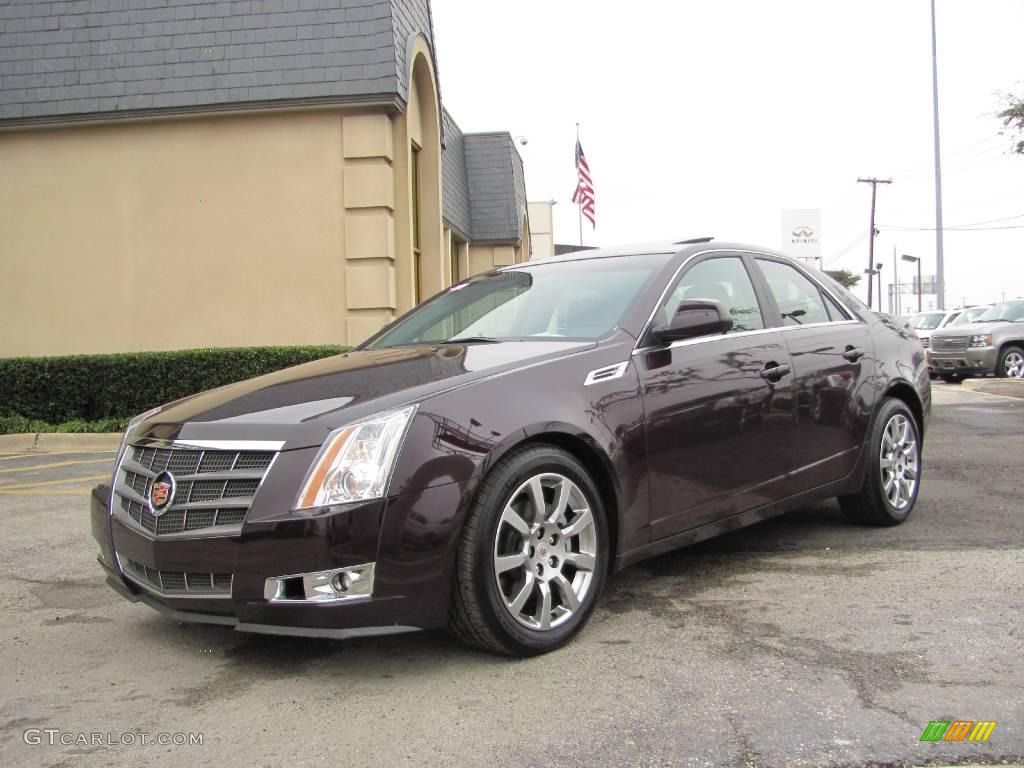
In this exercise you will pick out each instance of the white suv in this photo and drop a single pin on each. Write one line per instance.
(924, 323)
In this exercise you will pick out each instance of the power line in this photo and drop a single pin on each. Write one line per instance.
(849, 247)
(958, 227)
(915, 170)
(946, 229)
(958, 164)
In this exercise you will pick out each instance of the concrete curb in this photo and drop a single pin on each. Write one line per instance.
(1003, 387)
(51, 442)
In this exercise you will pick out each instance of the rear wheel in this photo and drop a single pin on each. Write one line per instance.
(893, 475)
(1011, 363)
(533, 557)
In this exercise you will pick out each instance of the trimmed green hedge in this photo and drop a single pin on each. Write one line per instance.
(82, 392)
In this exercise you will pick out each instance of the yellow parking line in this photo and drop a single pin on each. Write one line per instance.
(50, 466)
(44, 493)
(45, 454)
(20, 486)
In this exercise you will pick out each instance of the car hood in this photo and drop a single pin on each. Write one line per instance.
(969, 329)
(300, 406)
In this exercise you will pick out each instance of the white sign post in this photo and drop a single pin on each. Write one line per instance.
(801, 235)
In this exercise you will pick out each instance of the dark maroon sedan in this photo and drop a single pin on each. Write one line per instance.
(484, 462)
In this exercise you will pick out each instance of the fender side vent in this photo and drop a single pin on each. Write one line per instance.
(607, 373)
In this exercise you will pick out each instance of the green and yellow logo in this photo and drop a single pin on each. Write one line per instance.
(958, 730)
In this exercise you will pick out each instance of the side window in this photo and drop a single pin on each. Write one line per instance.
(800, 302)
(723, 279)
(835, 312)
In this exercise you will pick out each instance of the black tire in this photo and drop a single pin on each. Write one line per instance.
(1001, 367)
(479, 614)
(872, 505)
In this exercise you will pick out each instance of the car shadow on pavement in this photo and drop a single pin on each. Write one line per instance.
(268, 657)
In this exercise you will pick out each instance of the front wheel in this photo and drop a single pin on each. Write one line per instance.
(533, 556)
(893, 475)
(1011, 363)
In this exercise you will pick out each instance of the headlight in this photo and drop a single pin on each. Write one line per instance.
(356, 461)
(981, 340)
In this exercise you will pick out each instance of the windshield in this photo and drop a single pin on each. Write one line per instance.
(1009, 312)
(583, 299)
(969, 315)
(927, 321)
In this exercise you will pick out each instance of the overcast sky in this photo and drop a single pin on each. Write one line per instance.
(709, 117)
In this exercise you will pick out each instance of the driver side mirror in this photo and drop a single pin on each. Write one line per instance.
(693, 318)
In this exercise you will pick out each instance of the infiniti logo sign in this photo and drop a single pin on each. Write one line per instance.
(803, 232)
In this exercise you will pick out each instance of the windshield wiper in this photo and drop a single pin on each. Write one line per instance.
(471, 340)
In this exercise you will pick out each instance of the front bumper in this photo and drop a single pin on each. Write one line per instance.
(977, 360)
(407, 538)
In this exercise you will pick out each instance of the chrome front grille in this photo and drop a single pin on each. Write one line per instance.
(177, 582)
(213, 487)
(950, 343)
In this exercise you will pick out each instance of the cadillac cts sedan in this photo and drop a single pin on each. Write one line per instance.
(485, 462)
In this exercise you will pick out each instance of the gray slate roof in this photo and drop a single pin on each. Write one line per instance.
(455, 184)
(494, 172)
(102, 58)
(484, 186)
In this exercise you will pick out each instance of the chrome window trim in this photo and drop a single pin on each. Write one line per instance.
(830, 324)
(216, 445)
(705, 340)
(854, 317)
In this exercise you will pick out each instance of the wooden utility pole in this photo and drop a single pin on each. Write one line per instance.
(871, 235)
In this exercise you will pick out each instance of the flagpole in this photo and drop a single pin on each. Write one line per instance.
(579, 203)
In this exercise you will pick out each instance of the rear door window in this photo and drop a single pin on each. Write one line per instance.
(800, 300)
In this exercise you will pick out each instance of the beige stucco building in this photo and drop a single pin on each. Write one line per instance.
(208, 175)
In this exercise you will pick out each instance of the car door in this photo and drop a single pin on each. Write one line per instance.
(719, 410)
(833, 368)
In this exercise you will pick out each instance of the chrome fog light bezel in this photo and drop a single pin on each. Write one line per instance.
(354, 582)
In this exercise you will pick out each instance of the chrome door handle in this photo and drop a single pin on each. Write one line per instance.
(853, 354)
(775, 372)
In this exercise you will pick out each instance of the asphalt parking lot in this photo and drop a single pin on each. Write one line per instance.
(800, 641)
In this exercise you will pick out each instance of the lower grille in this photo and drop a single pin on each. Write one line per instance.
(177, 582)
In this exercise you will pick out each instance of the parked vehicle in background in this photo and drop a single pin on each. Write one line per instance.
(968, 315)
(924, 323)
(993, 343)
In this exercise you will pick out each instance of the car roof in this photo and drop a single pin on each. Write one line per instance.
(666, 247)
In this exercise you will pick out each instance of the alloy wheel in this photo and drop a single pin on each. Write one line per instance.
(545, 551)
(899, 461)
(1013, 365)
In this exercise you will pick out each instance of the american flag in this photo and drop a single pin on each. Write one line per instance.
(584, 194)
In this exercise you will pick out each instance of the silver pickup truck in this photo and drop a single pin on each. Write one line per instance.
(993, 343)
